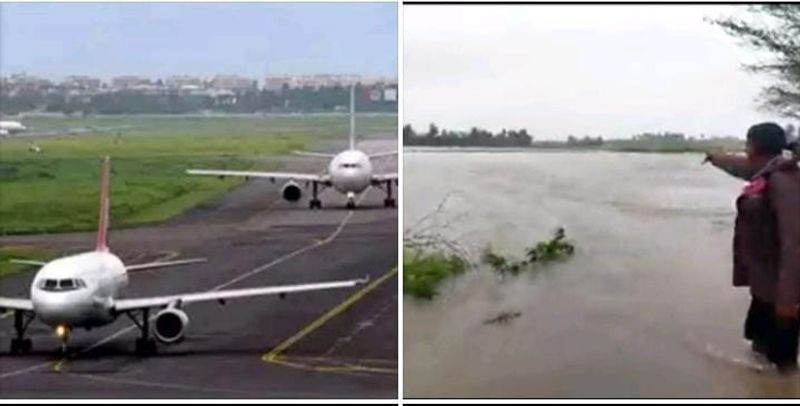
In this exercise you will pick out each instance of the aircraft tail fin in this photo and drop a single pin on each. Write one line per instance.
(352, 117)
(105, 203)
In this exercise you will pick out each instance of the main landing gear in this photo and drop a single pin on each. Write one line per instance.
(315, 203)
(20, 344)
(389, 201)
(145, 345)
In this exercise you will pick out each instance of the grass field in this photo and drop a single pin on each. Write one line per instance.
(56, 190)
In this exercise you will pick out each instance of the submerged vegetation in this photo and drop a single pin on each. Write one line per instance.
(503, 318)
(555, 249)
(424, 272)
(430, 257)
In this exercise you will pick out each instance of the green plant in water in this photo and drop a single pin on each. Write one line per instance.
(423, 272)
(554, 249)
(503, 318)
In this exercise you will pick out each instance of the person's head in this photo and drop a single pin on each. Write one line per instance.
(765, 140)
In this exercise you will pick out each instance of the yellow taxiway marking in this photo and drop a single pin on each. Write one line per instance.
(60, 363)
(275, 355)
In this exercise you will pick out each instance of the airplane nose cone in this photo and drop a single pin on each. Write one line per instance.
(61, 308)
(351, 182)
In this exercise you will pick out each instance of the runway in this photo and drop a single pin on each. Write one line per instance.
(339, 344)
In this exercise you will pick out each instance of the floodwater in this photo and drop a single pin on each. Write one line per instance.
(645, 308)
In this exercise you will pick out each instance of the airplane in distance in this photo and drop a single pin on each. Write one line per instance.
(349, 172)
(84, 291)
(11, 127)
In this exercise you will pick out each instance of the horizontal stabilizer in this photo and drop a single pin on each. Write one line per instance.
(28, 262)
(164, 264)
(313, 154)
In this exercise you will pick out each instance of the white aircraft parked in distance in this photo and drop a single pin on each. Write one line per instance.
(349, 172)
(11, 127)
(83, 291)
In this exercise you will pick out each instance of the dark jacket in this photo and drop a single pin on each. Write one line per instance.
(766, 246)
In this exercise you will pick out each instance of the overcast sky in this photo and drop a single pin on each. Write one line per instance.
(559, 70)
(159, 39)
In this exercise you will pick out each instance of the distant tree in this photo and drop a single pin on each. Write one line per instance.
(776, 31)
(476, 137)
(433, 130)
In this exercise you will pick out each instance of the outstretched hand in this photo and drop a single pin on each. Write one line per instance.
(786, 312)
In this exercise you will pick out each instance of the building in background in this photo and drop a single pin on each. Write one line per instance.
(232, 83)
(130, 82)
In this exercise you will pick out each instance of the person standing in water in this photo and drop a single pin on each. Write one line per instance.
(766, 246)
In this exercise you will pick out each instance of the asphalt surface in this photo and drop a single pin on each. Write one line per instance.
(329, 344)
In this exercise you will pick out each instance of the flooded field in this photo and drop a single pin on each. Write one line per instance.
(644, 308)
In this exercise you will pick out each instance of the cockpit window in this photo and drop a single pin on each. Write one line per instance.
(61, 285)
(346, 165)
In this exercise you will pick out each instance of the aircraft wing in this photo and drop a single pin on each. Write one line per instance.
(7, 303)
(383, 154)
(164, 264)
(124, 305)
(383, 177)
(256, 174)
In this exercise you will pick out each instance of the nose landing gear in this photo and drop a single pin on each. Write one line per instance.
(62, 331)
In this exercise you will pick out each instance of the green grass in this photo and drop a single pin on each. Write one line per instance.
(20, 252)
(423, 272)
(57, 190)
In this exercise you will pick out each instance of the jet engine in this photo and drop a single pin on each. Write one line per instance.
(291, 191)
(170, 324)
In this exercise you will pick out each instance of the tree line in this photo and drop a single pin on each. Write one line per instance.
(475, 137)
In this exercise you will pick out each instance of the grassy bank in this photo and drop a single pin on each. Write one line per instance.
(56, 190)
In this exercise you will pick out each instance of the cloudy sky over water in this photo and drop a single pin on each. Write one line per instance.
(559, 70)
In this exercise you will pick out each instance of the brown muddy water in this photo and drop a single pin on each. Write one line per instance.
(644, 308)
